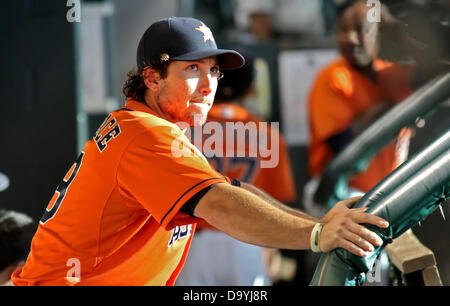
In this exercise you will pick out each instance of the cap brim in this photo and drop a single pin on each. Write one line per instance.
(228, 59)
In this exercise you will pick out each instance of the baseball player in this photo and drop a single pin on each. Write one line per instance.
(125, 212)
(350, 93)
(214, 257)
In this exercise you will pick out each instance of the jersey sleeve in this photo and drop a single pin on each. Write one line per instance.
(329, 109)
(162, 170)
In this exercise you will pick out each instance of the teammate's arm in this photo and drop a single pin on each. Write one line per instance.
(364, 120)
(249, 218)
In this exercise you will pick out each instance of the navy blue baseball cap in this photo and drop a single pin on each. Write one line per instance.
(182, 39)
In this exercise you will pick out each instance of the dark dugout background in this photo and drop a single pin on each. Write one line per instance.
(37, 101)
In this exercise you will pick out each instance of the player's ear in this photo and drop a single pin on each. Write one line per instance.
(151, 78)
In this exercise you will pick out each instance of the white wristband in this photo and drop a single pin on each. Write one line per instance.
(315, 237)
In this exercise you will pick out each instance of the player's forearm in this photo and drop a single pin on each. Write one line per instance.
(246, 217)
(253, 189)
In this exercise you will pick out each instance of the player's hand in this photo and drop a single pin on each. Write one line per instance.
(342, 229)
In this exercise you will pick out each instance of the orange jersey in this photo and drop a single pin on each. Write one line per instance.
(277, 181)
(116, 213)
(341, 93)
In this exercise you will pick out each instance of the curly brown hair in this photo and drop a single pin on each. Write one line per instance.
(135, 87)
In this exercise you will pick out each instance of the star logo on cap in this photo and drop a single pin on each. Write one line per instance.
(207, 34)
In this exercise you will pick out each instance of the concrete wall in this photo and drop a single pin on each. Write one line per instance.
(130, 20)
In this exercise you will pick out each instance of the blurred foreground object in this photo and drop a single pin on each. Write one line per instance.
(414, 261)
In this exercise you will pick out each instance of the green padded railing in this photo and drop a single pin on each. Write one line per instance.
(404, 197)
(333, 185)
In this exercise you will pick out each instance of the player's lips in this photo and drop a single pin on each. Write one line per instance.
(203, 103)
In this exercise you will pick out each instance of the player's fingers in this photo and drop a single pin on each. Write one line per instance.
(352, 248)
(361, 217)
(350, 202)
(359, 241)
(364, 236)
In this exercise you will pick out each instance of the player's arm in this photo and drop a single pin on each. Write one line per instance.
(249, 218)
(264, 195)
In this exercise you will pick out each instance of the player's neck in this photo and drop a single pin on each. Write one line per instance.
(153, 104)
(368, 71)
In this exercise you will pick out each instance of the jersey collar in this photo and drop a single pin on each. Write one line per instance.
(135, 105)
(139, 106)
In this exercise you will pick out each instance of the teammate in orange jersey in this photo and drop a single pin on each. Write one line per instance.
(126, 211)
(215, 258)
(351, 93)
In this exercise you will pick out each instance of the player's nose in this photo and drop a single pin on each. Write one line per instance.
(353, 38)
(205, 84)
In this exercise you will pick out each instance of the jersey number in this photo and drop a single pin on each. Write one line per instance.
(61, 190)
(247, 163)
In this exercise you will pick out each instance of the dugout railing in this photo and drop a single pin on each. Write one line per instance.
(404, 197)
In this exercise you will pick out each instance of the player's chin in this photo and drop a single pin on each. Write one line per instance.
(361, 60)
(196, 117)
